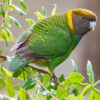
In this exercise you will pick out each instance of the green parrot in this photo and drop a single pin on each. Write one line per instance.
(51, 40)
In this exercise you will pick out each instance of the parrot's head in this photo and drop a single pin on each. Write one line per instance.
(81, 21)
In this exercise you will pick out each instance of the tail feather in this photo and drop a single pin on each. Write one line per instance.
(18, 63)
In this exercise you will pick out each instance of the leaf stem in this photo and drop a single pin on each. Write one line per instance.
(92, 88)
(41, 84)
(24, 80)
(44, 87)
(39, 70)
(97, 83)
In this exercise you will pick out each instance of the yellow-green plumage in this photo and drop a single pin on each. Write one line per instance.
(51, 40)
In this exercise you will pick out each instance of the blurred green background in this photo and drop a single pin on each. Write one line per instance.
(87, 49)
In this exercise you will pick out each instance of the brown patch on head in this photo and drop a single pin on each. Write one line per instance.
(81, 19)
(83, 12)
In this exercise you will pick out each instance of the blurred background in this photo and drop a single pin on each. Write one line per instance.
(87, 49)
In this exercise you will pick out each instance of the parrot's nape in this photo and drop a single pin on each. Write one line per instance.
(51, 40)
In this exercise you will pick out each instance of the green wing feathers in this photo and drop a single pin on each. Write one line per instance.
(50, 37)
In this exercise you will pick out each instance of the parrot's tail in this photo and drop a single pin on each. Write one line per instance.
(18, 63)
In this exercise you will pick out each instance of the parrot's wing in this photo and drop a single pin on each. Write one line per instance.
(25, 35)
(54, 42)
(22, 39)
(50, 38)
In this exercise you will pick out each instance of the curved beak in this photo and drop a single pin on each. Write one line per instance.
(92, 25)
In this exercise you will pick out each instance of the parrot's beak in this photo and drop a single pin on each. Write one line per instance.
(92, 25)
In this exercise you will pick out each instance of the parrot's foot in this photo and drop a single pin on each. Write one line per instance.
(54, 78)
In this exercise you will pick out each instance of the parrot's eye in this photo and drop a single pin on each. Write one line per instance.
(83, 17)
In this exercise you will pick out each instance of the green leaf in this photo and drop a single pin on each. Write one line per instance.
(44, 92)
(0, 51)
(74, 66)
(2, 72)
(36, 99)
(17, 86)
(34, 92)
(91, 96)
(1, 83)
(24, 6)
(67, 83)
(1, 4)
(44, 12)
(22, 94)
(8, 73)
(90, 72)
(96, 95)
(30, 21)
(2, 11)
(11, 7)
(20, 76)
(0, 28)
(9, 33)
(21, 12)
(28, 84)
(9, 87)
(38, 15)
(5, 1)
(46, 80)
(17, 73)
(4, 36)
(61, 78)
(54, 10)
(85, 90)
(76, 89)
(80, 97)
(61, 93)
(8, 21)
(9, 2)
(15, 21)
(72, 97)
(76, 77)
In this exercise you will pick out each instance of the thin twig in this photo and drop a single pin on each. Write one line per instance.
(23, 74)
(44, 88)
(60, 85)
(92, 88)
(39, 70)
(97, 83)
(3, 58)
(24, 80)
(42, 85)
(45, 72)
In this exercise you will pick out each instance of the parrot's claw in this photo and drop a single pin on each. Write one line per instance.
(54, 78)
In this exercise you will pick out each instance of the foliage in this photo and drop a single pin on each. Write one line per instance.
(34, 85)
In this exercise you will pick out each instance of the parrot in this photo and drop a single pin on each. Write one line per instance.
(51, 40)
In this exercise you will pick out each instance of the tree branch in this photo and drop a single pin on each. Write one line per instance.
(41, 84)
(3, 58)
(39, 70)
